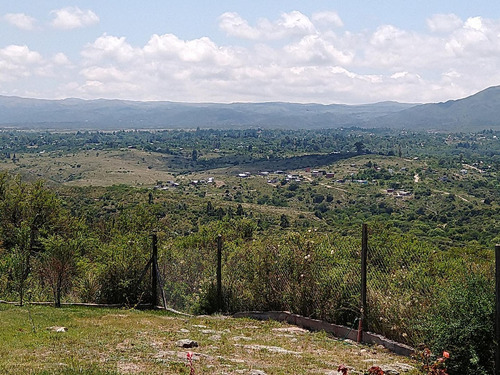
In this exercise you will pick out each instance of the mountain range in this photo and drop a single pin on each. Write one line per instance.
(476, 112)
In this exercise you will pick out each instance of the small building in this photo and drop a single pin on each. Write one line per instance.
(316, 173)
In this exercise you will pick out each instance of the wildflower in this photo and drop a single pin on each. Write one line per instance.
(446, 354)
(375, 370)
(189, 356)
(342, 369)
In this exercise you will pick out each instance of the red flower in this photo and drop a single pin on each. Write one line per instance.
(375, 370)
(446, 354)
(342, 369)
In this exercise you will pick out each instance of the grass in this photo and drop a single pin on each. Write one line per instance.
(94, 168)
(104, 341)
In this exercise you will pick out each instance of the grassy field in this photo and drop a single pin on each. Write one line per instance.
(94, 168)
(104, 341)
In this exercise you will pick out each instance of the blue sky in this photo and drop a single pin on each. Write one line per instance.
(227, 51)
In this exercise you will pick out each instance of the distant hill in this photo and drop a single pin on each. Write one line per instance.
(479, 111)
(476, 112)
(120, 114)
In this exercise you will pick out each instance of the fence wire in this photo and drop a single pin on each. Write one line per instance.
(317, 276)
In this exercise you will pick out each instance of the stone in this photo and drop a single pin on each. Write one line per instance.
(396, 368)
(208, 331)
(57, 329)
(272, 349)
(186, 343)
(238, 338)
(296, 330)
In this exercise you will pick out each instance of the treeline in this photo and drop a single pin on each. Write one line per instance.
(212, 148)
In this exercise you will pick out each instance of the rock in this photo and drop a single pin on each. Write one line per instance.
(296, 330)
(208, 331)
(184, 330)
(238, 338)
(396, 368)
(257, 372)
(272, 349)
(186, 343)
(215, 337)
(57, 329)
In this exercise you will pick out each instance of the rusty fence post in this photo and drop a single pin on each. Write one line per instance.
(362, 326)
(219, 273)
(154, 273)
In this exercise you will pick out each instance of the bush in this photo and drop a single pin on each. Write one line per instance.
(463, 324)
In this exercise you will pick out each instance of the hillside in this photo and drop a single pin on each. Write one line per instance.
(476, 112)
(118, 114)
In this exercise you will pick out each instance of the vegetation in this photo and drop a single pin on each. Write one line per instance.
(105, 342)
(289, 207)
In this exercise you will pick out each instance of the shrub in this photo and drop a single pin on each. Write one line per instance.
(463, 323)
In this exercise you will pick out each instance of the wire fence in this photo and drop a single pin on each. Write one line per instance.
(318, 277)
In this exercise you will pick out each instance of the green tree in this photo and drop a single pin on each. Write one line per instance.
(284, 222)
(28, 213)
(57, 264)
(239, 210)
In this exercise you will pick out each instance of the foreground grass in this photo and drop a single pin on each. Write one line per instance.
(102, 341)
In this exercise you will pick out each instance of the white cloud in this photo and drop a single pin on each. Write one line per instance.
(236, 26)
(475, 23)
(17, 62)
(327, 19)
(292, 58)
(73, 18)
(313, 48)
(109, 47)
(21, 21)
(288, 25)
(444, 23)
(61, 59)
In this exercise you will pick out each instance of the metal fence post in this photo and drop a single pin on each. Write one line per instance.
(364, 255)
(154, 274)
(497, 309)
(219, 272)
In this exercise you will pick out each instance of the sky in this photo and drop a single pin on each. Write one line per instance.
(350, 52)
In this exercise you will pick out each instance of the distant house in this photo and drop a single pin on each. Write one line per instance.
(330, 175)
